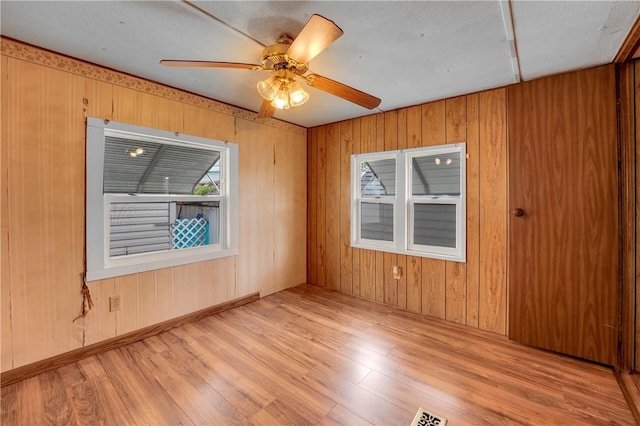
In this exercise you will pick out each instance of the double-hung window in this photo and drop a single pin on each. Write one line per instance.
(376, 204)
(157, 199)
(410, 201)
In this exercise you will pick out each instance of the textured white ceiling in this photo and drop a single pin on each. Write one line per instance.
(405, 53)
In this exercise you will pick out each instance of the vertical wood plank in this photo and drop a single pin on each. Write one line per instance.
(179, 276)
(346, 264)
(164, 294)
(368, 274)
(99, 97)
(637, 221)
(627, 128)
(414, 264)
(379, 276)
(355, 251)
(290, 204)
(379, 133)
(414, 284)
(6, 344)
(380, 266)
(434, 290)
(493, 228)
(473, 210)
(100, 324)
(368, 134)
(368, 257)
(203, 122)
(433, 278)
(221, 286)
(456, 291)
(255, 256)
(44, 151)
(147, 299)
(390, 285)
(322, 206)
(209, 275)
(332, 197)
(414, 127)
(312, 205)
(193, 286)
(127, 317)
(401, 259)
(433, 123)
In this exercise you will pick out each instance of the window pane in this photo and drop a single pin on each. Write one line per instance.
(376, 221)
(436, 174)
(378, 178)
(434, 225)
(144, 167)
(157, 226)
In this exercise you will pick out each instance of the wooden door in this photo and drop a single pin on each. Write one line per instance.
(563, 248)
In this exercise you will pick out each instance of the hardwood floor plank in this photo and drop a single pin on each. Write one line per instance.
(341, 416)
(135, 386)
(358, 400)
(112, 410)
(308, 355)
(56, 404)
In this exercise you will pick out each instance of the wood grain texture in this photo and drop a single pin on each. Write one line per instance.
(567, 302)
(493, 211)
(637, 221)
(390, 284)
(627, 120)
(290, 212)
(630, 387)
(39, 367)
(6, 345)
(630, 45)
(433, 286)
(473, 211)
(312, 207)
(45, 150)
(346, 262)
(48, 99)
(257, 169)
(456, 274)
(355, 252)
(457, 294)
(311, 356)
(332, 214)
(322, 205)
(402, 131)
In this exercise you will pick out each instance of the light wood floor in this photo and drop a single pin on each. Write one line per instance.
(309, 356)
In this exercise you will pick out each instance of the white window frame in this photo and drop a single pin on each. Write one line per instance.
(404, 203)
(365, 242)
(99, 264)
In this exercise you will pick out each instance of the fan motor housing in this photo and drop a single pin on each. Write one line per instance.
(274, 57)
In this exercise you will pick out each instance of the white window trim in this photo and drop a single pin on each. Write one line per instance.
(403, 205)
(99, 264)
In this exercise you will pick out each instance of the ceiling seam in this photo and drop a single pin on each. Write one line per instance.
(506, 9)
(215, 18)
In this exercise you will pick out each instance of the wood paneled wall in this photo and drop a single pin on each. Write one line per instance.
(45, 99)
(629, 88)
(472, 293)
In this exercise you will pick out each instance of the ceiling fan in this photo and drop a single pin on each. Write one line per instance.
(289, 58)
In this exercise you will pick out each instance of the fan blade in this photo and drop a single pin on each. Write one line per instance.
(266, 109)
(208, 64)
(343, 91)
(316, 35)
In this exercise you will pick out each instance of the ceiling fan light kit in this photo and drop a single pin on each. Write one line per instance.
(287, 58)
(282, 90)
